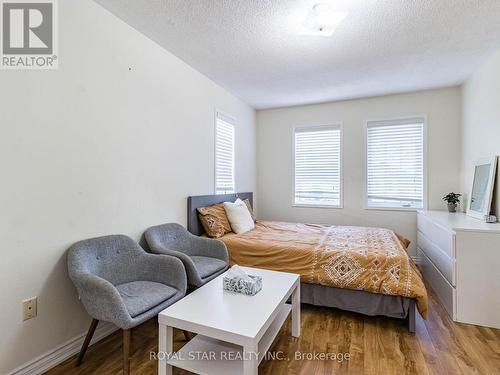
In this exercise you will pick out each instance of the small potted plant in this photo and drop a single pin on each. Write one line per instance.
(452, 199)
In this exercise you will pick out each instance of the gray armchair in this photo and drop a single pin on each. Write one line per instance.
(204, 258)
(118, 282)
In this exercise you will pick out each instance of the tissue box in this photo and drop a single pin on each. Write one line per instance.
(250, 288)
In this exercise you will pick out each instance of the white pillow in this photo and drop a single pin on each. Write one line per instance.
(239, 217)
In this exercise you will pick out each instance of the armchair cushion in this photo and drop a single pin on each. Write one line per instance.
(207, 266)
(141, 296)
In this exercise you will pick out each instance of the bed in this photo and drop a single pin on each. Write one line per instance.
(305, 249)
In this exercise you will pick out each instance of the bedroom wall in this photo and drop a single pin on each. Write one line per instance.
(275, 156)
(481, 121)
(92, 149)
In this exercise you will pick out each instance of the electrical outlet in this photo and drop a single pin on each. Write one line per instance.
(29, 308)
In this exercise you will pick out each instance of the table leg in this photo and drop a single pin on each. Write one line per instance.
(165, 348)
(296, 311)
(250, 360)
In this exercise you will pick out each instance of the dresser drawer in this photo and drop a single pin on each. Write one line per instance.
(441, 260)
(443, 289)
(440, 236)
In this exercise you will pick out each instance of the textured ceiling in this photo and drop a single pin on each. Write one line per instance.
(253, 47)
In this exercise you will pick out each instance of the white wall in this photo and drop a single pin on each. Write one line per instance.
(275, 156)
(94, 149)
(481, 121)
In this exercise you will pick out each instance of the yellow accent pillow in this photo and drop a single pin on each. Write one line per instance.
(214, 220)
(250, 209)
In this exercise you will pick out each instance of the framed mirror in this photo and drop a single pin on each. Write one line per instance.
(481, 192)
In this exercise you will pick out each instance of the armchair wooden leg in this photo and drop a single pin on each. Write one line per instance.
(86, 342)
(126, 351)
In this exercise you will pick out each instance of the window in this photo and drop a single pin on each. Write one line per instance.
(317, 166)
(224, 154)
(395, 163)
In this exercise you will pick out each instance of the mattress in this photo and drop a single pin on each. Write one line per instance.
(372, 260)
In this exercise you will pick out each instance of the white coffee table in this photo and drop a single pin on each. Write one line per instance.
(234, 331)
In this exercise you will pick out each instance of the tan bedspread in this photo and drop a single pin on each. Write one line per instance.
(369, 259)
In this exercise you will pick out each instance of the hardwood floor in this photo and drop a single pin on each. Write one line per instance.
(375, 346)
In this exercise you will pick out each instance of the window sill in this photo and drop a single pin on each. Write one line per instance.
(302, 205)
(408, 209)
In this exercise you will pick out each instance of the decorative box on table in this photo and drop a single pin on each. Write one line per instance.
(249, 287)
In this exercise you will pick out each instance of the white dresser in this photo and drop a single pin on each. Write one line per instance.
(460, 259)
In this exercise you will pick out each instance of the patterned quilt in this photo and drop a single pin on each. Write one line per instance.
(369, 259)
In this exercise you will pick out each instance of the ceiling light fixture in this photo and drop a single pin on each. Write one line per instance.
(322, 19)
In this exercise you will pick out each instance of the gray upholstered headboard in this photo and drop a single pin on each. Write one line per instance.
(193, 224)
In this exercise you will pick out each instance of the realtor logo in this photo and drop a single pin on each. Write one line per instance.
(29, 34)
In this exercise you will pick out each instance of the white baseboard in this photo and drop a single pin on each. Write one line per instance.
(59, 354)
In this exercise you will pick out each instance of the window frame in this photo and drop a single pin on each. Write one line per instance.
(395, 121)
(340, 126)
(231, 121)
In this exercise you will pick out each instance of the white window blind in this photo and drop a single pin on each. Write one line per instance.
(395, 165)
(317, 166)
(224, 155)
